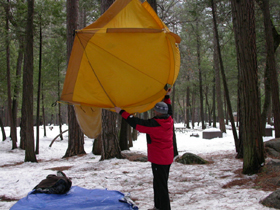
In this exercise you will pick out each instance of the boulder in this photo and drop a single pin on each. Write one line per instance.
(273, 200)
(268, 131)
(189, 158)
(272, 147)
(212, 134)
(194, 135)
(134, 156)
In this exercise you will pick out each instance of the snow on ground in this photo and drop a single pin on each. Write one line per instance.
(190, 186)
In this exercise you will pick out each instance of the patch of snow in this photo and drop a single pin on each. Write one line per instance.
(190, 186)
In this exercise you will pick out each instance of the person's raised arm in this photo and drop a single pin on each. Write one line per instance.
(168, 101)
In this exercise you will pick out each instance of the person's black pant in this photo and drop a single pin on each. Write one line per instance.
(160, 184)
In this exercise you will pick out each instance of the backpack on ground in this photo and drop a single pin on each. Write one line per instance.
(54, 184)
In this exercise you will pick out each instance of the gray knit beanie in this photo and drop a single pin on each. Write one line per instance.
(161, 107)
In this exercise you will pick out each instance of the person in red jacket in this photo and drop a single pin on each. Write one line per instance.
(159, 130)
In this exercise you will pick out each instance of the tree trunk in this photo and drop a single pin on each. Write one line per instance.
(60, 121)
(97, 146)
(12, 123)
(230, 113)
(208, 107)
(3, 130)
(193, 108)
(146, 115)
(272, 68)
(22, 125)
(175, 149)
(109, 134)
(82, 17)
(269, 115)
(28, 86)
(134, 134)
(43, 112)
(39, 93)
(173, 99)
(59, 105)
(218, 86)
(75, 135)
(110, 143)
(153, 4)
(225, 105)
(253, 156)
(267, 97)
(188, 106)
(18, 80)
(124, 136)
(200, 76)
(105, 4)
(239, 146)
(214, 104)
(129, 133)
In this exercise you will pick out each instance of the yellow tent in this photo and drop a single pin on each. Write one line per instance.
(126, 58)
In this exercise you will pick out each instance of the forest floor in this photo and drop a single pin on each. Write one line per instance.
(268, 178)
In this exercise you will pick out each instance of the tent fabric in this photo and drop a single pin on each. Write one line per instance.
(89, 119)
(76, 198)
(126, 58)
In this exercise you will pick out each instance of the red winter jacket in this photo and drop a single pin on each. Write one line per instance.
(159, 132)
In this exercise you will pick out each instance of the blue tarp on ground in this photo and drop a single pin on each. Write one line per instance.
(76, 198)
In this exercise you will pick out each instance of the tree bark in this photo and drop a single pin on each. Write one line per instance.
(43, 111)
(129, 133)
(105, 4)
(267, 97)
(267, 79)
(109, 134)
(175, 149)
(22, 126)
(3, 130)
(272, 67)
(59, 105)
(18, 80)
(12, 123)
(208, 110)
(214, 104)
(124, 135)
(134, 134)
(276, 36)
(57, 137)
(218, 85)
(224, 79)
(110, 143)
(39, 93)
(188, 106)
(97, 146)
(253, 155)
(153, 4)
(75, 135)
(193, 108)
(28, 86)
(200, 76)
(239, 147)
